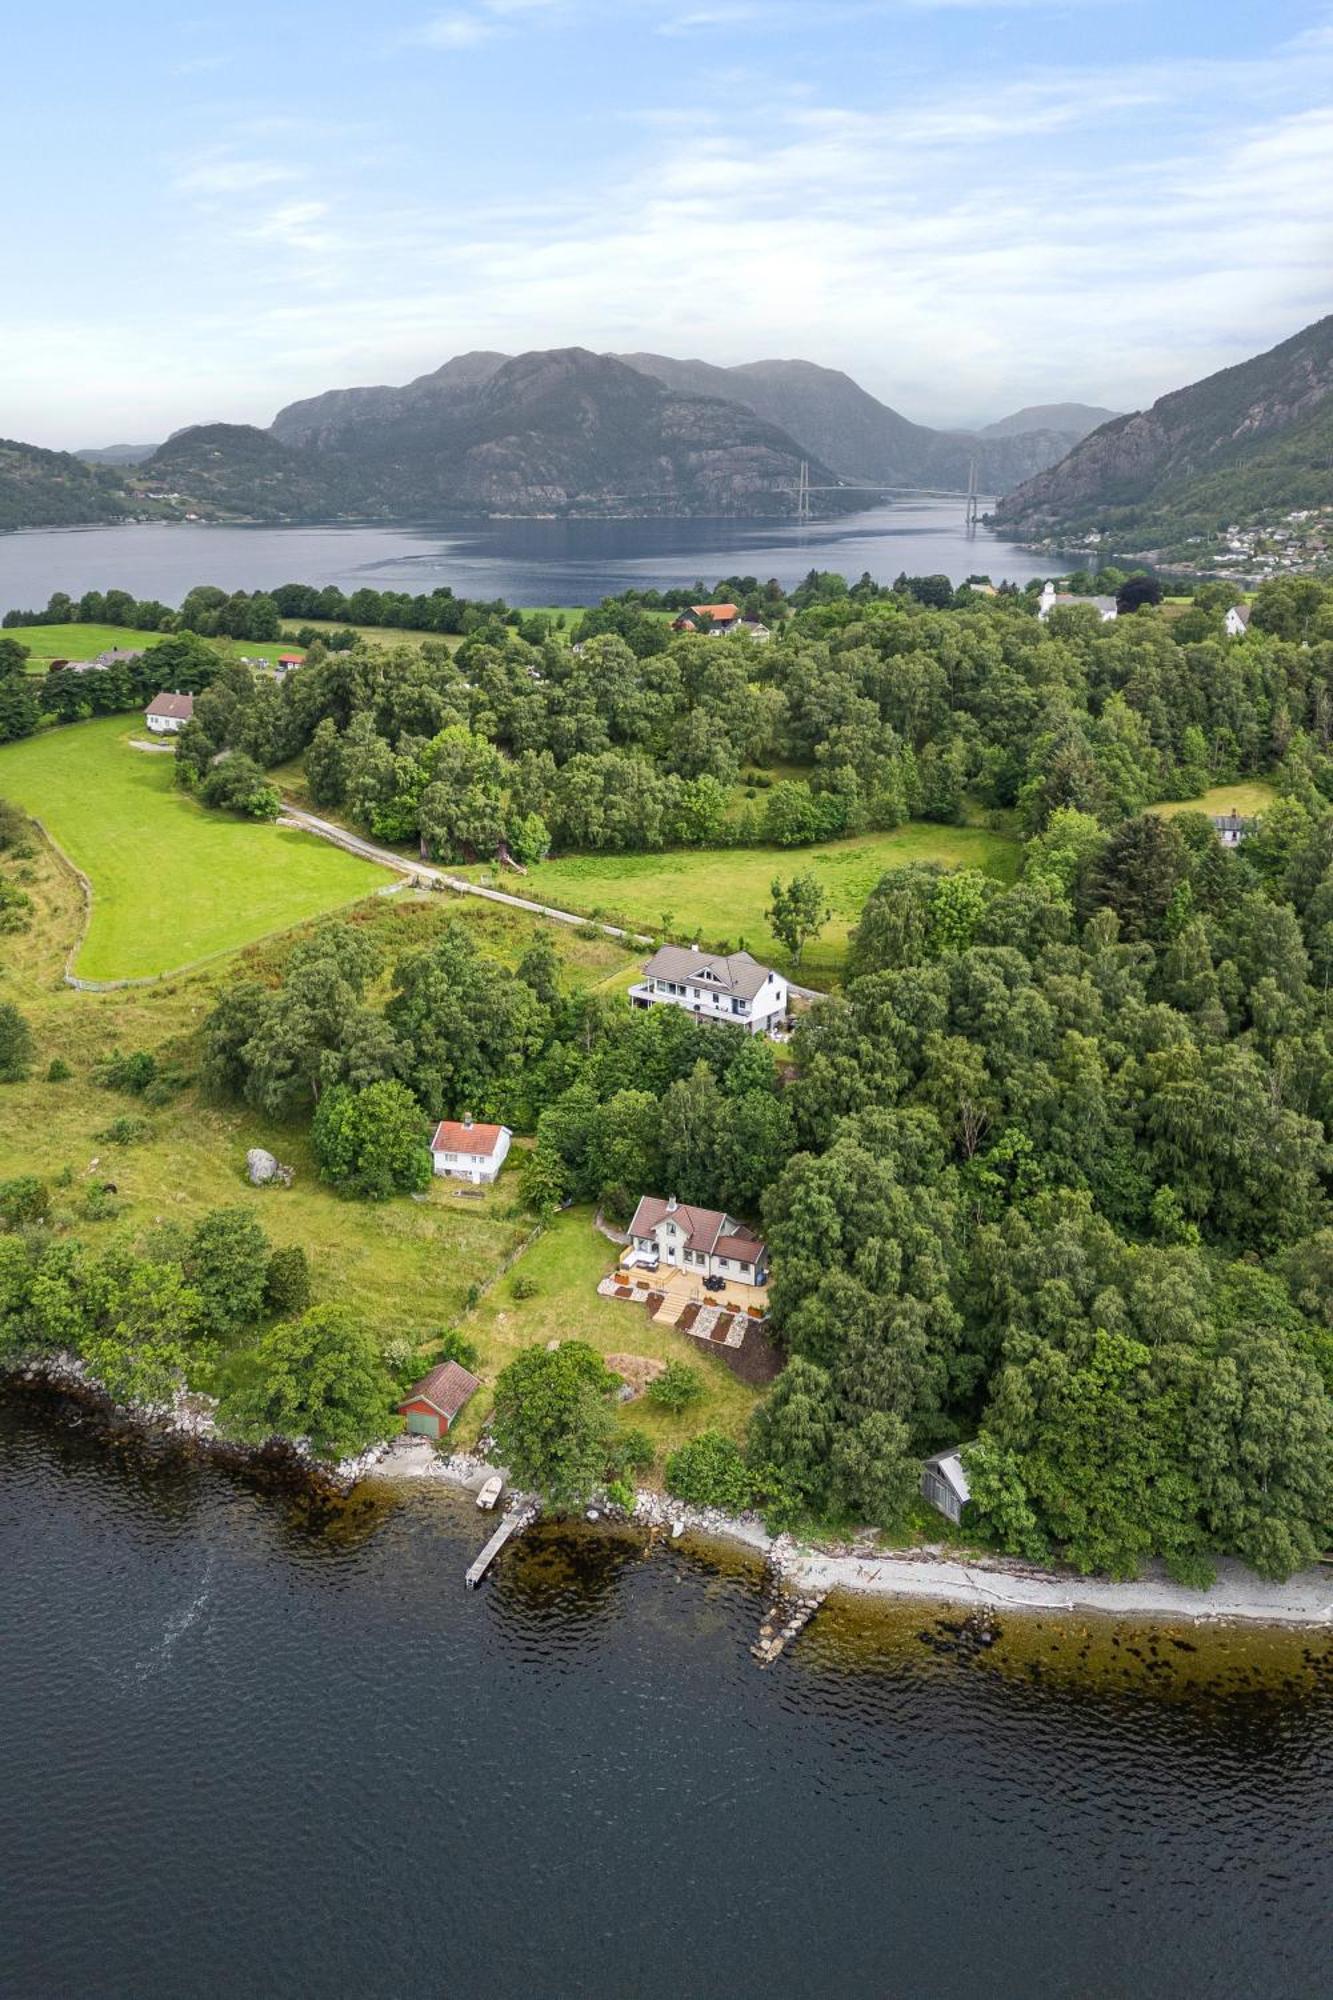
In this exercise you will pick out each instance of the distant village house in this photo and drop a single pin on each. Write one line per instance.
(168, 713)
(1237, 621)
(1231, 829)
(735, 989)
(469, 1152)
(1052, 599)
(703, 1241)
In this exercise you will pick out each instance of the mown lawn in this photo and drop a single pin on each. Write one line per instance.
(84, 642)
(565, 1263)
(721, 894)
(1250, 797)
(172, 883)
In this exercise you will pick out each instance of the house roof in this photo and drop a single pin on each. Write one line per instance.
(454, 1136)
(704, 1228)
(1241, 613)
(179, 706)
(294, 659)
(737, 974)
(446, 1389)
(951, 1469)
(717, 612)
(115, 654)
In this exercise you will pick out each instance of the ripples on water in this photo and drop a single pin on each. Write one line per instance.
(256, 1745)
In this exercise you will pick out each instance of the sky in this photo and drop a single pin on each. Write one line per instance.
(969, 205)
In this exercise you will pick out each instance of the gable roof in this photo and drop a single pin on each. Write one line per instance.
(446, 1388)
(1241, 613)
(703, 1228)
(717, 612)
(454, 1136)
(179, 706)
(113, 655)
(738, 973)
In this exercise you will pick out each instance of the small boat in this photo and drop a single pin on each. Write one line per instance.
(490, 1493)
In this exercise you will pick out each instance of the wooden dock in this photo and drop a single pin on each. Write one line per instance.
(511, 1525)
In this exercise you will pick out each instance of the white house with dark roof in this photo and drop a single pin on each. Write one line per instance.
(1052, 599)
(1237, 621)
(702, 1241)
(467, 1151)
(167, 713)
(735, 989)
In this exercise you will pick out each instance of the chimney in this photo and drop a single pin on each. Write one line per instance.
(467, 1121)
(671, 1204)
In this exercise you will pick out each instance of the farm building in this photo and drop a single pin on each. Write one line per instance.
(167, 713)
(944, 1483)
(724, 617)
(431, 1406)
(467, 1151)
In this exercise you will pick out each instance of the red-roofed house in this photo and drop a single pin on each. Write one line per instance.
(430, 1407)
(467, 1151)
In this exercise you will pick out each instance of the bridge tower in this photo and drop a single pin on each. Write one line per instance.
(803, 493)
(973, 514)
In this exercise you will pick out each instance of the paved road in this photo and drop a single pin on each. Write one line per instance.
(327, 829)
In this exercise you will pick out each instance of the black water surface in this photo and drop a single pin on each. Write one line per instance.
(257, 1747)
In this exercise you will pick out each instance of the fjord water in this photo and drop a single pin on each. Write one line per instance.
(257, 1747)
(525, 562)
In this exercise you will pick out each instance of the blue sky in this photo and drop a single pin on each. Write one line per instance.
(968, 204)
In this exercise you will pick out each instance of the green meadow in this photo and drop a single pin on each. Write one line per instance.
(171, 883)
(720, 894)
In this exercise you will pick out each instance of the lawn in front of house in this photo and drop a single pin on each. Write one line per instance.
(720, 894)
(565, 1263)
(1250, 797)
(172, 882)
(84, 642)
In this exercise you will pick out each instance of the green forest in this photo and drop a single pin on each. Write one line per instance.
(1047, 1178)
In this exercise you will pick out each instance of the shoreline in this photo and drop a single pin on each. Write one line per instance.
(991, 1583)
(928, 1575)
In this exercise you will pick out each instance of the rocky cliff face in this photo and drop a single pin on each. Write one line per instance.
(1248, 435)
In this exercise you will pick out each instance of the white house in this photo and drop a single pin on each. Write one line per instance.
(944, 1483)
(469, 1152)
(1237, 621)
(735, 989)
(702, 1241)
(166, 713)
(1052, 599)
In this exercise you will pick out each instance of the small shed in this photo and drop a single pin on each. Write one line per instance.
(286, 660)
(944, 1483)
(430, 1408)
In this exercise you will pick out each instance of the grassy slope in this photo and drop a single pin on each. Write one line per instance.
(408, 1266)
(724, 891)
(172, 883)
(1249, 796)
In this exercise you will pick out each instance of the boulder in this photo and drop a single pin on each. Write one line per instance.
(262, 1170)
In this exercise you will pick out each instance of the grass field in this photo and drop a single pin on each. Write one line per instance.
(721, 894)
(408, 1266)
(84, 642)
(1250, 797)
(172, 883)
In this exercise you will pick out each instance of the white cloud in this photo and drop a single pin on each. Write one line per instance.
(455, 31)
(218, 176)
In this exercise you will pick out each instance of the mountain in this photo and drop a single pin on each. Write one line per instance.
(116, 454)
(54, 489)
(562, 431)
(1253, 440)
(861, 436)
(1073, 419)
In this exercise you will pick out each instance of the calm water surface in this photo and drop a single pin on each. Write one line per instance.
(253, 1748)
(525, 562)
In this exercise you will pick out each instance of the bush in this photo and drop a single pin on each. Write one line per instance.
(287, 1282)
(59, 1071)
(455, 1346)
(371, 1142)
(710, 1472)
(621, 1494)
(123, 1131)
(15, 1044)
(320, 1377)
(633, 1451)
(23, 1201)
(132, 1073)
(99, 1205)
(677, 1387)
(524, 1288)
